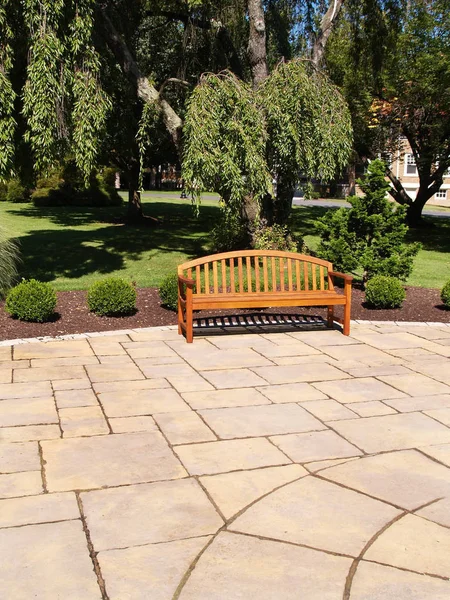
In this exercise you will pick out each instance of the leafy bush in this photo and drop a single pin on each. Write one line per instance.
(276, 237)
(9, 257)
(445, 294)
(168, 292)
(17, 192)
(31, 301)
(371, 234)
(112, 297)
(3, 191)
(384, 292)
(229, 233)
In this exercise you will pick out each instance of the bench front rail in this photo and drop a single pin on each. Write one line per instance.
(258, 279)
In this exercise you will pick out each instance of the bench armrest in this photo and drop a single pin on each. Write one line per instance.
(185, 287)
(346, 278)
(187, 282)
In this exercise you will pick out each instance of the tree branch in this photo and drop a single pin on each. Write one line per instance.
(326, 27)
(144, 89)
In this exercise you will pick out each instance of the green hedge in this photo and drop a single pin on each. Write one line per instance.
(112, 297)
(384, 292)
(31, 300)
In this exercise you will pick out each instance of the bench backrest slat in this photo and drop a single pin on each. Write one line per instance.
(262, 271)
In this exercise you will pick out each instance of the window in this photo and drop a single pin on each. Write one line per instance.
(441, 195)
(410, 165)
(386, 157)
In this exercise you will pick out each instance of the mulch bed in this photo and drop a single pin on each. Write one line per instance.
(72, 316)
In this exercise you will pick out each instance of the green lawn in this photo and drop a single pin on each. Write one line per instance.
(73, 247)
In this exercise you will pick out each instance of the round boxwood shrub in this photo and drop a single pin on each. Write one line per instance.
(384, 292)
(112, 297)
(168, 292)
(31, 300)
(445, 295)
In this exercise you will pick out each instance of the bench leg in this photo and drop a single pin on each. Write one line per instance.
(180, 318)
(189, 327)
(347, 307)
(330, 316)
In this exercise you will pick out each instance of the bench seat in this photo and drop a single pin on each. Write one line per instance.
(259, 279)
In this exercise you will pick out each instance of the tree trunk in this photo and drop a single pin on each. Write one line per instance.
(414, 211)
(283, 201)
(256, 50)
(135, 212)
(326, 27)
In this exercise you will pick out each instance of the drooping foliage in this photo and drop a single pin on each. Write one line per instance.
(225, 140)
(370, 236)
(64, 106)
(237, 140)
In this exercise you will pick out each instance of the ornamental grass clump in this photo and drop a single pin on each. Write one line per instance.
(168, 291)
(445, 295)
(112, 297)
(384, 292)
(31, 300)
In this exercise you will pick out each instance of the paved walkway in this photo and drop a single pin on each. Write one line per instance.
(303, 466)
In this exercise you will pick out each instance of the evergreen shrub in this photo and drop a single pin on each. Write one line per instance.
(384, 292)
(17, 192)
(276, 237)
(31, 300)
(168, 292)
(445, 295)
(112, 297)
(370, 236)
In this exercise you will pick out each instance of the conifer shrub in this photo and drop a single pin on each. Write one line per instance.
(276, 237)
(112, 297)
(31, 300)
(370, 236)
(168, 291)
(445, 295)
(384, 292)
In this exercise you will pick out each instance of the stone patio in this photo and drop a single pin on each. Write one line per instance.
(302, 465)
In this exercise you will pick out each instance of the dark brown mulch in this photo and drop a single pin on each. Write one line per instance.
(72, 316)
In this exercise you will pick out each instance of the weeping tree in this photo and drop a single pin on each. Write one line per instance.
(252, 145)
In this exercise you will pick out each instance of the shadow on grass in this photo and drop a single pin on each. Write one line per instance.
(72, 252)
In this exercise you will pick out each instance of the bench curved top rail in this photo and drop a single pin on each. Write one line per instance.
(260, 253)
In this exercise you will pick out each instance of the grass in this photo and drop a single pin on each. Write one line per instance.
(73, 247)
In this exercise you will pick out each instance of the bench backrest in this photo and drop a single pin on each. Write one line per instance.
(257, 271)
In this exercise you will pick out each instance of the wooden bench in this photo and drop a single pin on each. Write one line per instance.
(259, 279)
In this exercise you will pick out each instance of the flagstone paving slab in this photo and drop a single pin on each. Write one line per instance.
(259, 421)
(26, 483)
(363, 354)
(25, 390)
(439, 512)
(319, 339)
(53, 349)
(19, 457)
(318, 514)
(108, 460)
(406, 478)
(47, 562)
(189, 383)
(156, 569)
(373, 408)
(5, 375)
(212, 359)
(319, 445)
(227, 378)
(295, 374)
(377, 582)
(229, 455)
(393, 432)
(328, 410)
(440, 452)
(420, 403)
(316, 466)
(130, 387)
(358, 390)
(225, 398)
(27, 411)
(129, 403)
(184, 427)
(29, 433)
(234, 491)
(83, 421)
(99, 373)
(49, 373)
(132, 424)
(47, 363)
(148, 514)
(45, 508)
(441, 414)
(416, 544)
(71, 384)
(416, 384)
(291, 392)
(237, 566)
(75, 398)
